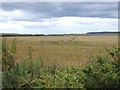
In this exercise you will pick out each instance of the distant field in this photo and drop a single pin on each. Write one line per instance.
(63, 50)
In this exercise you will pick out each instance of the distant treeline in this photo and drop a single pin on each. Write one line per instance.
(12, 34)
(103, 33)
(89, 33)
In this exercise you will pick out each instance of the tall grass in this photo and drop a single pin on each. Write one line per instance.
(101, 72)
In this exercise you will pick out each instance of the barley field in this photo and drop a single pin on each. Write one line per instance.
(63, 50)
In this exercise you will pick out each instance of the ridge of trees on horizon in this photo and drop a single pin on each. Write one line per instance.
(76, 34)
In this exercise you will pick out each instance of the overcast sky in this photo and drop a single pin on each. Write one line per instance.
(55, 18)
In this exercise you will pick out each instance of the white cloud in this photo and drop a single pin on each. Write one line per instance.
(9, 15)
(65, 24)
(14, 15)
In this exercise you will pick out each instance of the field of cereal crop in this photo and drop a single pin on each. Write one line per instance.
(63, 50)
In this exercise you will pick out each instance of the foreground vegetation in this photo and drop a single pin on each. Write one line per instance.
(102, 71)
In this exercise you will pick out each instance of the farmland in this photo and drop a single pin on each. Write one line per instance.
(63, 50)
(61, 62)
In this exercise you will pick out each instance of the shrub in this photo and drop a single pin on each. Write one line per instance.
(102, 72)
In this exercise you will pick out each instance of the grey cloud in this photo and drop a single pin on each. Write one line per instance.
(52, 9)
